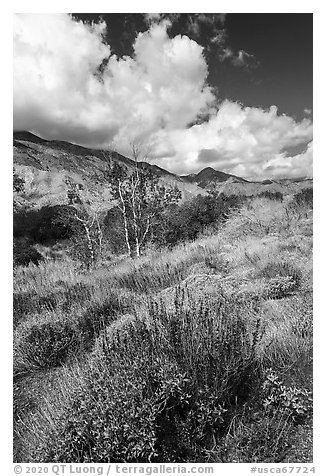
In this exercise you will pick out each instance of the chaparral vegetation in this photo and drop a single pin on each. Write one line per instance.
(188, 340)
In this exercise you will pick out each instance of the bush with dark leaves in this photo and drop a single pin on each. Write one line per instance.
(162, 390)
(25, 253)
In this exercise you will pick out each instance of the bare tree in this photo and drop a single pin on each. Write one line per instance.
(140, 197)
(87, 214)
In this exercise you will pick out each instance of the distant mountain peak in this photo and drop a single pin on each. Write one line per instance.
(52, 162)
(204, 179)
(48, 165)
(208, 169)
(208, 176)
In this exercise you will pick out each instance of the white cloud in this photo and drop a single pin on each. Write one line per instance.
(241, 59)
(149, 17)
(300, 165)
(246, 141)
(244, 59)
(59, 93)
(226, 53)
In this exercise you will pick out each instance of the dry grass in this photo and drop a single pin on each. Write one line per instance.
(234, 265)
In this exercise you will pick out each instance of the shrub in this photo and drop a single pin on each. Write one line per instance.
(295, 402)
(45, 345)
(176, 223)
(267, 428)
(114, 231)
(259, 217)
(46, 225)
(279, 287)
(179, 372)
(104, 312)
(216, 261)
(18, 183)
(186, 221)
(305, 197)
(282, 275)
(58, 298)
(24, 253)
(278, 196)
(29, 302)
(56, 341)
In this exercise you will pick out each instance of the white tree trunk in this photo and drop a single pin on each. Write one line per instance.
(125, 221)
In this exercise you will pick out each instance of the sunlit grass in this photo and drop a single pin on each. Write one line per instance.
(250, 284)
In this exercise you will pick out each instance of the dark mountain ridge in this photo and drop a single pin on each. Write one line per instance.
(209, 175)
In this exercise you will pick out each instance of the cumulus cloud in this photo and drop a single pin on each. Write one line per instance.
(246, 141)
(208, 28)
(295, 166)
(60, 92)
(68, 85)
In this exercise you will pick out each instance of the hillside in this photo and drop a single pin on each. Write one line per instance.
(208, 177)
(48, 166)
(208, 345)
(206, 337)
(211, 179)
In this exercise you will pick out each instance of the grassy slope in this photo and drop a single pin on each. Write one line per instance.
(262, 260)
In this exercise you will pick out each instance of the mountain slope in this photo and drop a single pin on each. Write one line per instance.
(48, 167)
(209, 177)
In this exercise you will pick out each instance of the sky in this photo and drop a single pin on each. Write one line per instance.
(228, 91)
